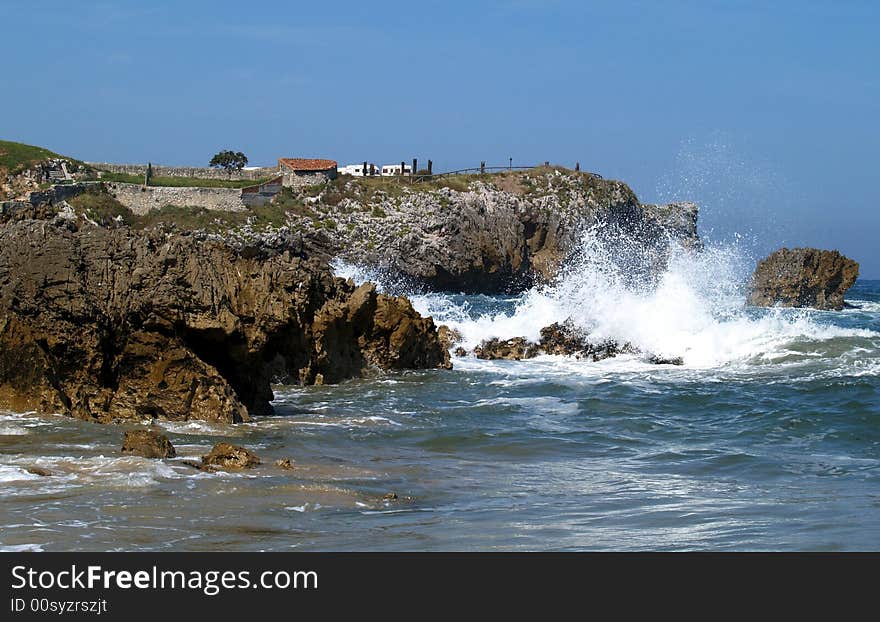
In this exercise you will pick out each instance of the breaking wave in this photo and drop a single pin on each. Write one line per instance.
(694, 308)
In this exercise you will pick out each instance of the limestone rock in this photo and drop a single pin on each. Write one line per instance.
(514, 349)
(110, 324)
(148, 444)
(563, 339)
(501, 233)
(228, 456)
(803, 277)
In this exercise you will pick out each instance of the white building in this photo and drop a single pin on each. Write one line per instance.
(394, 169)
(356, 170)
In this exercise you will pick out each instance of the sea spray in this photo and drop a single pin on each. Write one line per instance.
(686, 303)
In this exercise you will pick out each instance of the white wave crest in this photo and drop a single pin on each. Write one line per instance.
(694, 309)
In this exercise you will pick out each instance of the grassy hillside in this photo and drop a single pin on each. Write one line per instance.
(18, 156)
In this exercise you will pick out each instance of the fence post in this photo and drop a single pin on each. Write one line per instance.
(483, 167)
(364, 170)
(430, 167)
(402, 167)
(577, 166)
(415, 167)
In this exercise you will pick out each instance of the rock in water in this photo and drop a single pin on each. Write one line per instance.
(35, 470)
(563, 339)
(114, 324)
(514, 349)
(656, 359)
(228, 456)
(803, 277)
(284, 463)
(448, 336)
(148, 444)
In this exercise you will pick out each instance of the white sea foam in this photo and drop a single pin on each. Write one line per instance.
(695, 309)
(11, 473)
(10, 429)
(21, 548)
(68, 471)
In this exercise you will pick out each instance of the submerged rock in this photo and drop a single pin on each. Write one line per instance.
(661, 360)
(803, 277)
(148, 444)
(113, 324)
(35, 470)
(228, 456)
(284, 463)
(459, 352)
(514, 349)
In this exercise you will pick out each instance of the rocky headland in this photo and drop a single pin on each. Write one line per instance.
(110, 324)
(486, 234)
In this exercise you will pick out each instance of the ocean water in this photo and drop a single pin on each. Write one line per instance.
(767, 438)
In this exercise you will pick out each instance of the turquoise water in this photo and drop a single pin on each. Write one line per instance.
(768, 437)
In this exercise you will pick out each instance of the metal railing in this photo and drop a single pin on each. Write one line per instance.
(477, 170)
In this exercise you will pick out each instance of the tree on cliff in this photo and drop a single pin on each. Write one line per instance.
(229, 160)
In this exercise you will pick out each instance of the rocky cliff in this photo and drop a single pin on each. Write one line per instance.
(483, 234)
(803, 277)
(112, 324)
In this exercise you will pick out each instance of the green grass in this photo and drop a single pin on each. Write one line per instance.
(177, 182)
(101, 207)
(16, 157)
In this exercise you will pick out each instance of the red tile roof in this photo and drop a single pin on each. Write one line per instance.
(306, 164)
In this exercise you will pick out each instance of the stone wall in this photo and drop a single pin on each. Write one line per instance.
(140, 199)
(58, 192)
(299, 179)
(186, 171)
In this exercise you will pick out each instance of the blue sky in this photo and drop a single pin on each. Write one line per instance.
(765, 115)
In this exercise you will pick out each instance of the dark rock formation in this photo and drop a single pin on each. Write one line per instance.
(111, 324)
(803, 277)
(561, 339)
(655, 359)
(565, 339)
(148, 444)
(514, 349)
(229, 457)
